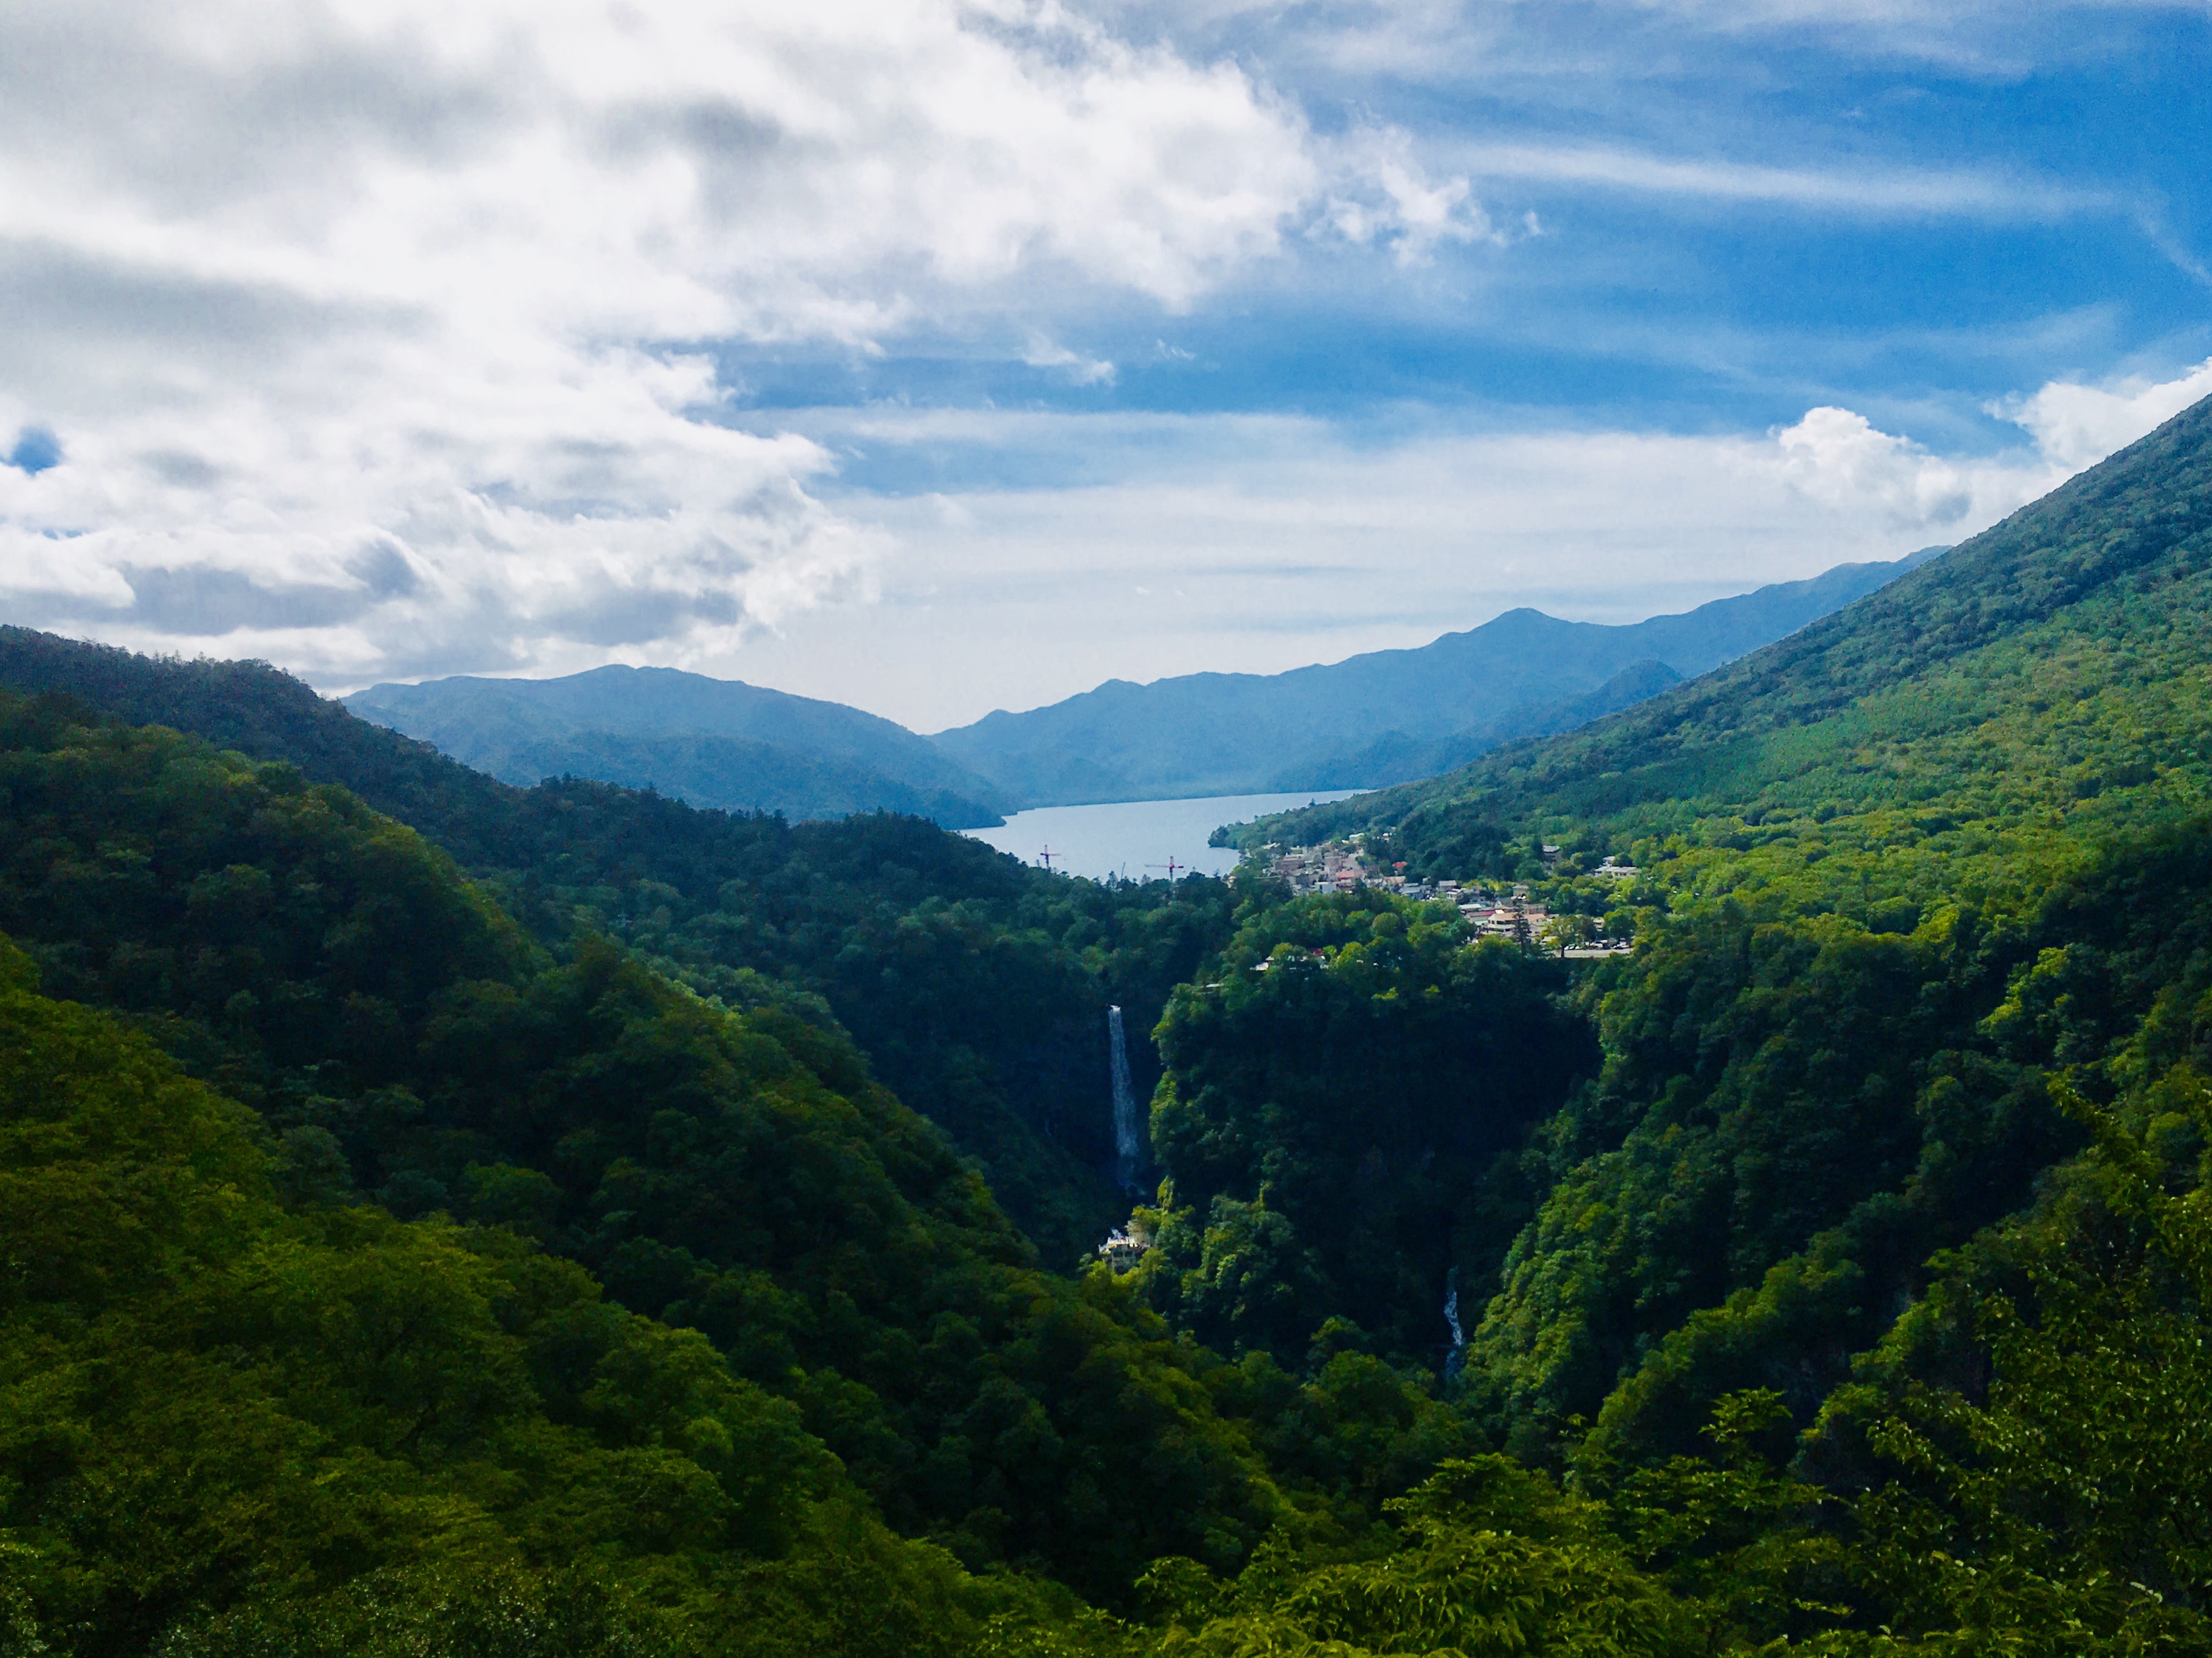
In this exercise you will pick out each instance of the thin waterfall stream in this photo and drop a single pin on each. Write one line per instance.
(1128, 1146)
(1457, 1355)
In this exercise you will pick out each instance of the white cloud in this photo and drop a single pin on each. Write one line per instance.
(2078, 425)
(1388, 197)
(363, 322)
(1291, 541)
(1043, 353)
(1837, 458)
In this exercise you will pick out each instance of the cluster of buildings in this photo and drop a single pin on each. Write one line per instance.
(1338, 867)
(1334, 868)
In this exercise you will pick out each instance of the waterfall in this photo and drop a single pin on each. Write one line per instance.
(1129, 1148)
(1457, 1357)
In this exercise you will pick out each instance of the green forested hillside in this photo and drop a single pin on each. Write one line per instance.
(739, 1173)
(241, 1413)
(1899, 872)
(977, 987)
(396, 1260)
(1922, 908)
(1855, 844)
(1334, 1104)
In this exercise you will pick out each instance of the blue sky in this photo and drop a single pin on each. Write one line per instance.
(1736, 225)
(938, 357)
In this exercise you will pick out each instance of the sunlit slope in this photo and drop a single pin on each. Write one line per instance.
(2048, 675)
(1901, 876)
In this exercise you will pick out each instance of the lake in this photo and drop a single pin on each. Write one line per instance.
(1136, 838)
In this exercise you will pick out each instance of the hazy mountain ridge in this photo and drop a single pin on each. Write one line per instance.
(1380, 718)
(1399, 758)
(711, 741)
(738, 747)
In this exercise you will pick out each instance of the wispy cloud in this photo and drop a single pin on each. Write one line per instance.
(1386, 195)
(1864, 190)
(1493, 42)
(1993, 37)
(1043, 353)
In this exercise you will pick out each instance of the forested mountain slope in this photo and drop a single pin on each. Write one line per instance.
(244, 1413)
(1902, 876)
(1381, 717)
(977, 987)
(2092, 595)
(711, 741)
(1893, 1167)
(1826, 1277)
(736, 1172)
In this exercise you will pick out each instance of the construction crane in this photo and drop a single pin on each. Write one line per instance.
(1048, 855)
(1170, 866)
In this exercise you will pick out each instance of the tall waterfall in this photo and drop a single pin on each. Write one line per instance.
(1129, 1149)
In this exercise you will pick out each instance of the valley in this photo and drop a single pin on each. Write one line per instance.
(440, 1208)
(1055, 828)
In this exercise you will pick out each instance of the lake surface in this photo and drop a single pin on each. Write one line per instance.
(1129, 837)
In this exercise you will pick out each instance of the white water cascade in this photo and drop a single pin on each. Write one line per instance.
(1129, 1149)
(1457, 1357)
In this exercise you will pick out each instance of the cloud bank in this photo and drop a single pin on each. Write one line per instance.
(373, 336)
(1256, 544)
(386, 339)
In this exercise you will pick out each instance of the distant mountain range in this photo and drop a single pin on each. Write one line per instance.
(709, 742)
(1386, 717)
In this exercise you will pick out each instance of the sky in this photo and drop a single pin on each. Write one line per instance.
(941, 357)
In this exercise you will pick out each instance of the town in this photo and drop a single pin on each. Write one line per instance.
(1494, 911)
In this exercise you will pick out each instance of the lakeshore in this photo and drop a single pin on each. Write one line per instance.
(1136, 839)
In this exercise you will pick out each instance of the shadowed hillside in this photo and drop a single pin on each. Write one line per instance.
(710, 742)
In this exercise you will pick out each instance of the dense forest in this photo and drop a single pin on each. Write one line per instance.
(447, 1217)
